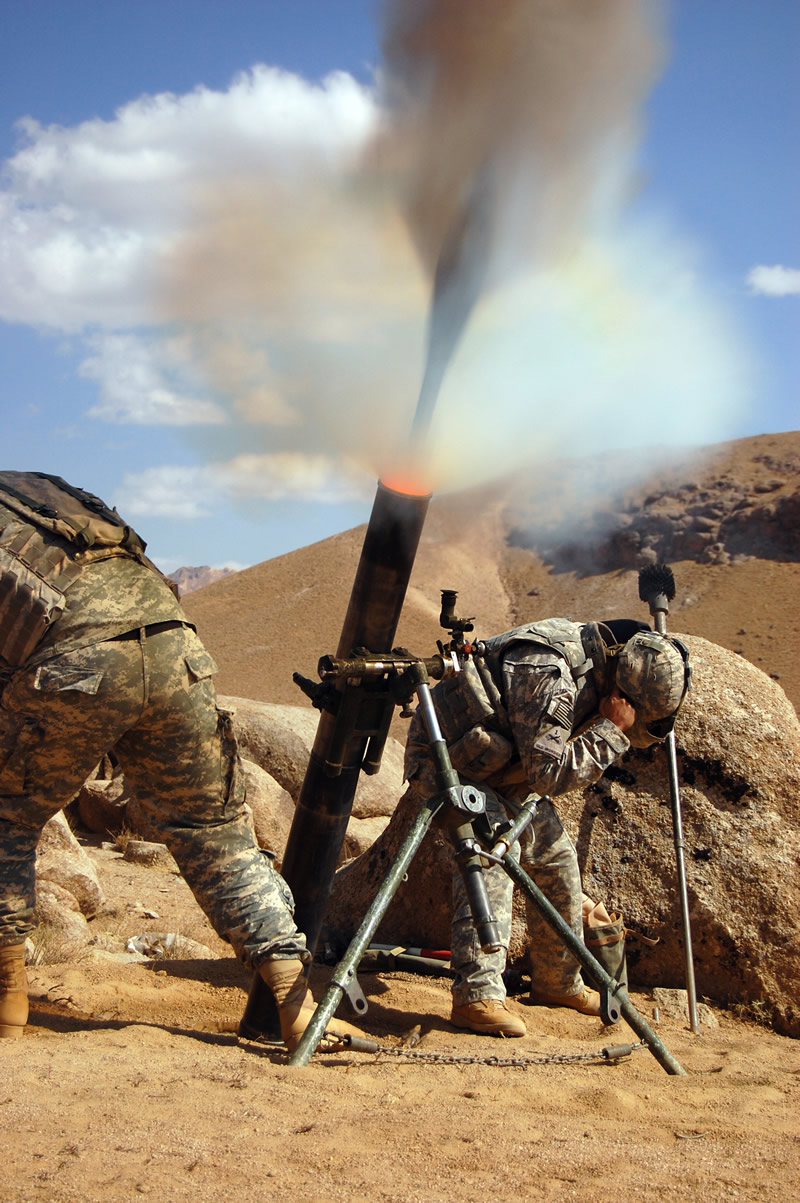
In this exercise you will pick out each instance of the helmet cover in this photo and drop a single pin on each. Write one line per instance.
(653, 672)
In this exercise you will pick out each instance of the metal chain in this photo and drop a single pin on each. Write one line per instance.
(609, 1054)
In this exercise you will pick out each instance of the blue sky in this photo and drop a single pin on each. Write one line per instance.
(209, 314)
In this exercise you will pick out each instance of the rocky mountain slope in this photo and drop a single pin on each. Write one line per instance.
(189, 579)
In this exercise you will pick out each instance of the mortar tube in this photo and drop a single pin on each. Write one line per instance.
(325, 802)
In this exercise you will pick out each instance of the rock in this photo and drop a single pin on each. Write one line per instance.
(149, 853)
(101, 805)
(60, 859)
(271, 807)
(63, 929)
(163, 946)
(361, 834)
(279, 739)
(675, 1005)
(738, 741)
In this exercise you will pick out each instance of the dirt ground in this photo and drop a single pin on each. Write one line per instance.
(130, 1081)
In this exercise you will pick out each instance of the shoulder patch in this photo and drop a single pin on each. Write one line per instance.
(551, 741)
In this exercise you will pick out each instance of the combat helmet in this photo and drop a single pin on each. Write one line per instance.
(653, 673)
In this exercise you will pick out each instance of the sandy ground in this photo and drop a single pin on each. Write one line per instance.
(130, 1080)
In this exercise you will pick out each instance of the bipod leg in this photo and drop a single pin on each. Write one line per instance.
(345, 971)
(609, 987)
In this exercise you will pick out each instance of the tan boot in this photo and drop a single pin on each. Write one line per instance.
(13, 990)
(296, 1006)
(586, 1001)
(489, 1016)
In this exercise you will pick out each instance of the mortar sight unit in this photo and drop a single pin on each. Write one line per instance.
(360, 691)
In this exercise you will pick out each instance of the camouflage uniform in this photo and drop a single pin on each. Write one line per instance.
(559, 743)
(122, 668)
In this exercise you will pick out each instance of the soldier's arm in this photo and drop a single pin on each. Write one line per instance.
(540, 706)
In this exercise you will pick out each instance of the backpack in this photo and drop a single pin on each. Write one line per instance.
(56, 532)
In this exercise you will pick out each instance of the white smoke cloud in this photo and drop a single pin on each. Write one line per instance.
(775, 281)
(234, 260)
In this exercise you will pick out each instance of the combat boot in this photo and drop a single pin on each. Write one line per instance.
(489, 1016)
(13, 990)
(586, 1001)
(296, 1006)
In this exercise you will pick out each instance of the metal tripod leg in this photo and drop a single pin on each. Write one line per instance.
(345, 971)
(614, 993)
(657, 588)
(677, 839)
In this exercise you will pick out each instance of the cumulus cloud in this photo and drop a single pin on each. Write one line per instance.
(775, 281)
(168, 492)
(91, 215)
(88, 213)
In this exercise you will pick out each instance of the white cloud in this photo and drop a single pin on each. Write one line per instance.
(134, 378)
(174, 491)
(167, 492)
(775, 281)
(88, 213)
(91, 215)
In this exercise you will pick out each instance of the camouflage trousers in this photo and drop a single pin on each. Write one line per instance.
(152, 700)
(549, 857)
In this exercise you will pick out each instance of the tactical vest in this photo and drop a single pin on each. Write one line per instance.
(474, 697)
(57, 531)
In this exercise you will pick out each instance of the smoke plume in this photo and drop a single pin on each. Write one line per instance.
(482, 267)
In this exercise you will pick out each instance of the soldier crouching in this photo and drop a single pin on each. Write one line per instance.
(543, 708)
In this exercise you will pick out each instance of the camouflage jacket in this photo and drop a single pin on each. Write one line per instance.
(555, 739)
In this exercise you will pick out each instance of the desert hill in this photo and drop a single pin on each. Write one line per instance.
(565, 540)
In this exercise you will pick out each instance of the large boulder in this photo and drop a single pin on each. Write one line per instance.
(738, 741)
(63, 929)
(279, 739)
(271, 807)
(102, 805)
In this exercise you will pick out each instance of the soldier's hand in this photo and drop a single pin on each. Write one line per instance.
(618, 709)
